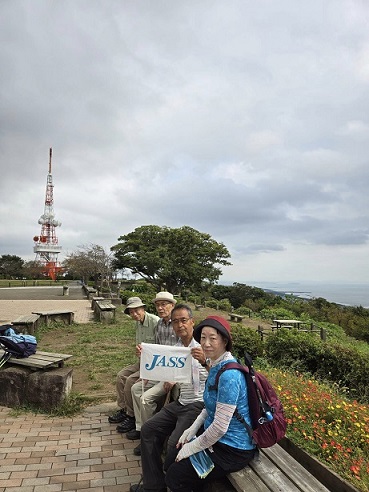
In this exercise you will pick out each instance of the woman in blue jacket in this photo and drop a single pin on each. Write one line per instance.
(224, 438)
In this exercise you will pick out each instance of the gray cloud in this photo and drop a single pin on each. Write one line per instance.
(246, 121)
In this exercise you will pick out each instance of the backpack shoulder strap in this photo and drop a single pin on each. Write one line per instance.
(246, 372)
(225, 367)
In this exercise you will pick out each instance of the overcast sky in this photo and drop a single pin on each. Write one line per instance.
(245, 120)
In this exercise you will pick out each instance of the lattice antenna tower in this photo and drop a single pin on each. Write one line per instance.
(46, 245)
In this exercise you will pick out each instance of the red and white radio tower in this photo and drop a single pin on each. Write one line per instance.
(46, 245)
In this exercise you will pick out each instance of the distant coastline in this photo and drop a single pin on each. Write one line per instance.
(347, 295)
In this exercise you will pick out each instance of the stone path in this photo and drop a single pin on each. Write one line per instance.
(41, 454)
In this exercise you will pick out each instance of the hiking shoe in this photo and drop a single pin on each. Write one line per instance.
(127, 425)
(133, 434)
(136, 488)
(137, 450)
(117, 417)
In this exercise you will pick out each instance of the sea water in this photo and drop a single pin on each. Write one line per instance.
(346, 294)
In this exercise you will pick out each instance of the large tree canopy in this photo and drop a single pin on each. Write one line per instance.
(171, 258)
(11, 266)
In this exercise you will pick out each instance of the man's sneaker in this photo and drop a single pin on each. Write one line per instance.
(127, 425)
(137, 450)
(117, 417)
(133, 434)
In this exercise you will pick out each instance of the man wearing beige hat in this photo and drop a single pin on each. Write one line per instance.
(148, 395)
(146, 324)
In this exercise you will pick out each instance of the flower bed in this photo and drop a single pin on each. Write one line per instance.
(325, 424)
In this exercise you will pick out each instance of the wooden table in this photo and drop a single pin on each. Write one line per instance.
(287, 323)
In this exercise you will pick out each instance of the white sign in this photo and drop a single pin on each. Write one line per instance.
(166, 363)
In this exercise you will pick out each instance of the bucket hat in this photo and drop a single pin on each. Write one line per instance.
(165, 296)
(220, 324)
(133, 302)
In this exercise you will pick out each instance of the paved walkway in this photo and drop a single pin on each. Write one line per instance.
(40, 454)
(19, 301)
(10, 310)
(43, 454)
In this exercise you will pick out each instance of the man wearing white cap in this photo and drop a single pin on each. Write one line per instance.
(146, 324)
(145, 401)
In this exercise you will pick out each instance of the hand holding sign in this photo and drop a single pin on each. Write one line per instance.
(165, 363)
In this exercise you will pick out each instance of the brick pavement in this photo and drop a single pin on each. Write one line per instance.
(41, 454)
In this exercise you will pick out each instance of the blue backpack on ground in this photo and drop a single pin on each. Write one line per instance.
(15, 344)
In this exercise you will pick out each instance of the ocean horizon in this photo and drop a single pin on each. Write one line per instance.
(345, 294)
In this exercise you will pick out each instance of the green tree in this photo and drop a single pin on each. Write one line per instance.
(11, 266)
(89, 262)
(171, 258)
(238, 294)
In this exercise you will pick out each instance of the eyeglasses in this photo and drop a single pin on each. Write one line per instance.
(182, 321)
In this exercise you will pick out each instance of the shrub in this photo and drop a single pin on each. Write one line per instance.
(246, 340)
(347, 367)
(244, 310)
(222, 304)
(291, 348)
(343, 364)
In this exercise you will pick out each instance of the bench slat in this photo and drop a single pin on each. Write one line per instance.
(46, 313)
(275, 470)
(28, 318)
(246, 480)
(105, 306)
(296, 472)
(52, 355)
(41, 360)
(272, 476)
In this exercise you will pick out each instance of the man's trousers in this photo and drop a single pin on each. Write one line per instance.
(126, 378)
(169, 423)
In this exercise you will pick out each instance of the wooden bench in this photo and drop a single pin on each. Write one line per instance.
(40, 360)
(94, 299)
(274, 470)
(89, 291)
(236, 317)
(47, 316)
(104, 311)
(29, 321)
(38, 381)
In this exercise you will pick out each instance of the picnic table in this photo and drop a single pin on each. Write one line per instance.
(287, 323)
